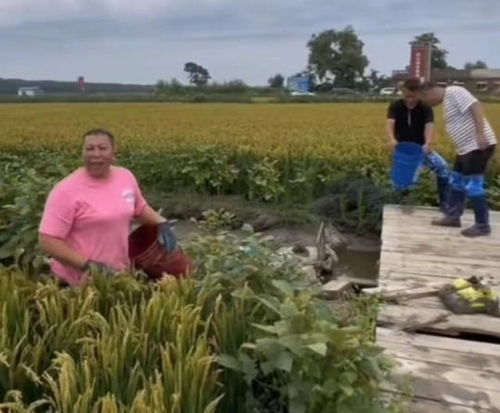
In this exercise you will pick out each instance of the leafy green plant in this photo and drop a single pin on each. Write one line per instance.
(353, 203)
(209, 168)
(22, 199)
(246, 333)
(264, 181)
(219, 219)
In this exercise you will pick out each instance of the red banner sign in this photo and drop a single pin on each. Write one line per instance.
(420, 62)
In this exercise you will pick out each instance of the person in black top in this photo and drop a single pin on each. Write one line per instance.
(411, 120)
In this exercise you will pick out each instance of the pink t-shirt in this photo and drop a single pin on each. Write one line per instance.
(93, 217)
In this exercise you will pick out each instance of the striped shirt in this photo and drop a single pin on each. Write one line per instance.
(460, 121)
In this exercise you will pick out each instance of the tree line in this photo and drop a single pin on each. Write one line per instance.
(336, 60)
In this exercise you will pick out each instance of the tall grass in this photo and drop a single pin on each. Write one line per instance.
(247, 333)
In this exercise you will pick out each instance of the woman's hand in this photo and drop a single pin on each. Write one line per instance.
(91, 265)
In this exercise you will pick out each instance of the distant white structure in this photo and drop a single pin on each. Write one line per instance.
(30, 91)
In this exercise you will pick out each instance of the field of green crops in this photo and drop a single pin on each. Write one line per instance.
(270, 152)
(245, 333)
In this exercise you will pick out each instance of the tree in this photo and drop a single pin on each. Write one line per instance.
(438, 54)
(198, 75)
(172, 88)
(376, 81)
(479, 64)
(337, 57)
(277, 81)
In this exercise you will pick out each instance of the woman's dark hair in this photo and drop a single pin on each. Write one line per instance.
(413, 85)
(104, 132)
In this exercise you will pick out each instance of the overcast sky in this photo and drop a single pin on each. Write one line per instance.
(141, 41)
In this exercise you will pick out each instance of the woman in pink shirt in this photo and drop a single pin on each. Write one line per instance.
(87, 216)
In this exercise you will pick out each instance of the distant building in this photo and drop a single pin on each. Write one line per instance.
(478, 81)
(30, 91)
(299, 83)
(81, 84)
(486, 81)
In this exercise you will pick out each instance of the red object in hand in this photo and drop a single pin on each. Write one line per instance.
(148, 255)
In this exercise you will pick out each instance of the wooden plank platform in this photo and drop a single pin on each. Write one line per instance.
(446, 374)
(416, 256)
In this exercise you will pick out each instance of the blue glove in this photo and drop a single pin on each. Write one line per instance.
(166, 237)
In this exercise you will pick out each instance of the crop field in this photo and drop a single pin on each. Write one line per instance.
(245, 332)
(265, 152)
(322, 130)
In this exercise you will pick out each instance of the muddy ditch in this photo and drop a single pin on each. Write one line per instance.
(289, 226)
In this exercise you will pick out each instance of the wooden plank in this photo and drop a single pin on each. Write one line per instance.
(448, 357)
(425, 213)
(430, 261)
(439, 270)
(412, 293)
(428, 212)
(447, 374)
(430, 302)
(439, 321)
(440, 393)
(420, 231)
(410, 318)
(427, 302)
(455, 248)
(334, 289)
(442, 343)
(471, 324)
(416, 222)
(419, 405)
(429, 406)
(412, 280)
(454, 386)
(387, 286)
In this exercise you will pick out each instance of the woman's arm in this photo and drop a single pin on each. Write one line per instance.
(60, 251)
(149, 216)
(165, 234)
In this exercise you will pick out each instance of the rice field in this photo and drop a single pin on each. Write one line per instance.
(323, 130)
(245, 333)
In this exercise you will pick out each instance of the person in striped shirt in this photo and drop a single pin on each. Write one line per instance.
(475, 143)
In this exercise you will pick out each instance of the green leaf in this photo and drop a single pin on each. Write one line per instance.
(293, 343)
(371, 367)
(284, 286)
(348, 390)
(229, 362)
(348, 377)
(267, 329)
(297, 405)
(284, 361)
(248, 367)
(269, 305)
(319, 348)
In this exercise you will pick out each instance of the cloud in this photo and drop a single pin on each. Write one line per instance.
(142, 40)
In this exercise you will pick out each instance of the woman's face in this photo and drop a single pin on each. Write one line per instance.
(98, 155)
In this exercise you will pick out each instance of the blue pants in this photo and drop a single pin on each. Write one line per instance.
(471, 185)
